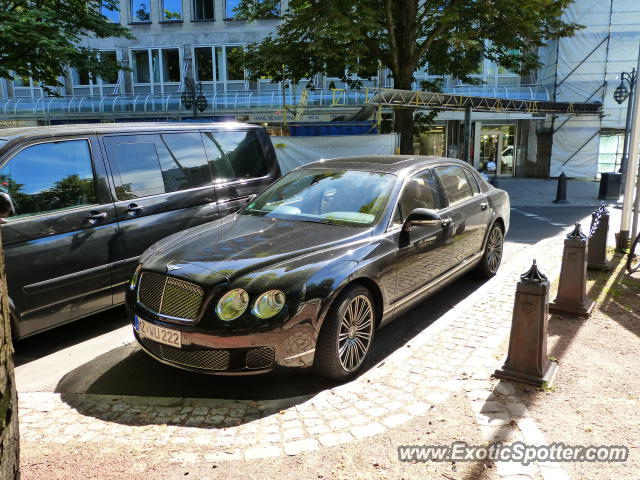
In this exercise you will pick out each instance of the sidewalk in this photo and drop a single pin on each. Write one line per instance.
(529, 192)
(454, 356)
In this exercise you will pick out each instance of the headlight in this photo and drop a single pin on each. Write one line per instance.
(268, 304)
(232, 304)
(134, 280)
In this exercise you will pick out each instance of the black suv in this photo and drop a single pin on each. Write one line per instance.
(89, 199)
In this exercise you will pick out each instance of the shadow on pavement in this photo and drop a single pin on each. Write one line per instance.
(65, 336)
(531, 224)
(129, 373)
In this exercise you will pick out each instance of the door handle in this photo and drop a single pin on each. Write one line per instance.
(134, 208)
(446, 222)
(484, 205)
(95, 216)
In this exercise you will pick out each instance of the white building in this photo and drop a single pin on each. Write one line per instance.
(176, 39)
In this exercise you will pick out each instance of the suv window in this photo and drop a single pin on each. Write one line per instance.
(235, 155)
(156, 164)
(420, 191)
(455, 183)
(50, 176)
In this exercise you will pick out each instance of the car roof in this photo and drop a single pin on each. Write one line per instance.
(12, 135)
(394, 164)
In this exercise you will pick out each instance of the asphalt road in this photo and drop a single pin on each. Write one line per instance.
(97, 354)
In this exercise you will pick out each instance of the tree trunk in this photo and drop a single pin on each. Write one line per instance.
(9, 435)
(404, 126)
(404, 119)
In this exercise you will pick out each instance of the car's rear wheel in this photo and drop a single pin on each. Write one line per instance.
(346, 335)
(492, 256)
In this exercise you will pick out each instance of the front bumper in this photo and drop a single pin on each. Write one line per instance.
(291, 345)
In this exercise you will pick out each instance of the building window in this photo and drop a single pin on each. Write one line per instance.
(156, 65)
(234, 68)
(203, 9)
(171, 10)
(109, 56)
(218, 64)
(140, 11)
(231, 5)
(112, 12)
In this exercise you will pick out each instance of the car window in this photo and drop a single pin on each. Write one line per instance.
(420, 191)
(473, 181)
(52, 176)
(340, 197)
(155, 164)
(235, 155)
(455, 183)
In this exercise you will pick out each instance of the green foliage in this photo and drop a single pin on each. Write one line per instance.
(40, 38)
(352, 38)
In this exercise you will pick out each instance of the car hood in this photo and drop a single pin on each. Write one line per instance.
(239, 244)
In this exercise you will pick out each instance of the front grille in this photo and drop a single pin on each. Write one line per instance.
(207, 359)
(258, 358)
(170, 296)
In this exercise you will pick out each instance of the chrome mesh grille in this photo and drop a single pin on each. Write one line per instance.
(170, 296)
(258, 358)
(208, 359)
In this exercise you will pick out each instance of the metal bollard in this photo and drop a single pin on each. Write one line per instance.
(572, 288)
(598, 233)
(561, 192)
(527, 359)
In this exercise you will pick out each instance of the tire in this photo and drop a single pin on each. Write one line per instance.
(342, 345)
(492, 255)
(633, 259)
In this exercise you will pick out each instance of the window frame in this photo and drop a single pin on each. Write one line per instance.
(98, 83)
(159, 86)
(118, 11)
(444, 191)
(92, 158)
(193, 11)
(132, 17)
(443, 197)
(220, 82)
(239, 180)
(164, 19)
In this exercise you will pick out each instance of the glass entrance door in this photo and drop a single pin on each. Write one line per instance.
(497, 150)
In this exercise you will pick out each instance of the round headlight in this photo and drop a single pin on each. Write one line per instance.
(232, 304)
(268, 304)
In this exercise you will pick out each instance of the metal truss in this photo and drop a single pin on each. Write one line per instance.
(447, 101)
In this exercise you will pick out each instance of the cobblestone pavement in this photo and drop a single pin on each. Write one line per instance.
(458, 352)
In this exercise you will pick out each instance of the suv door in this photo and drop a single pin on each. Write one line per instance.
(467, 208)
(60, 243)
(424, 252)
(242, 165)
(162, 185)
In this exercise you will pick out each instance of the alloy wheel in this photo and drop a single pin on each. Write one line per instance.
(494, 249)
(355, 333)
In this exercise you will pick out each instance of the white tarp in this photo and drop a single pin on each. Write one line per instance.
(295, 151)
(575, 147)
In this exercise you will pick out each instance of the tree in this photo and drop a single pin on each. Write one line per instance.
(41, 38)
(352, 38)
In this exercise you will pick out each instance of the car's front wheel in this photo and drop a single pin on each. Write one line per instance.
(492, 256)
(346, 335)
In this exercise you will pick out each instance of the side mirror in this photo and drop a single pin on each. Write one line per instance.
(6, 206)
(422, 217)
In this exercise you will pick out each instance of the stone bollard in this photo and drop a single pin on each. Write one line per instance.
(599, 231)
(526, 359)
(572, 288)
(561, 192)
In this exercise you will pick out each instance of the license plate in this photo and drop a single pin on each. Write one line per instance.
(167, 336)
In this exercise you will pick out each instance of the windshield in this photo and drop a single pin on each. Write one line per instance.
(342, 197)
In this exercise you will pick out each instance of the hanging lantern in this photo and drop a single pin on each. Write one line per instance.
(621, 93)
(201, 103)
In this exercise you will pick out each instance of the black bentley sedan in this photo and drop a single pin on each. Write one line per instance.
(307, 271)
